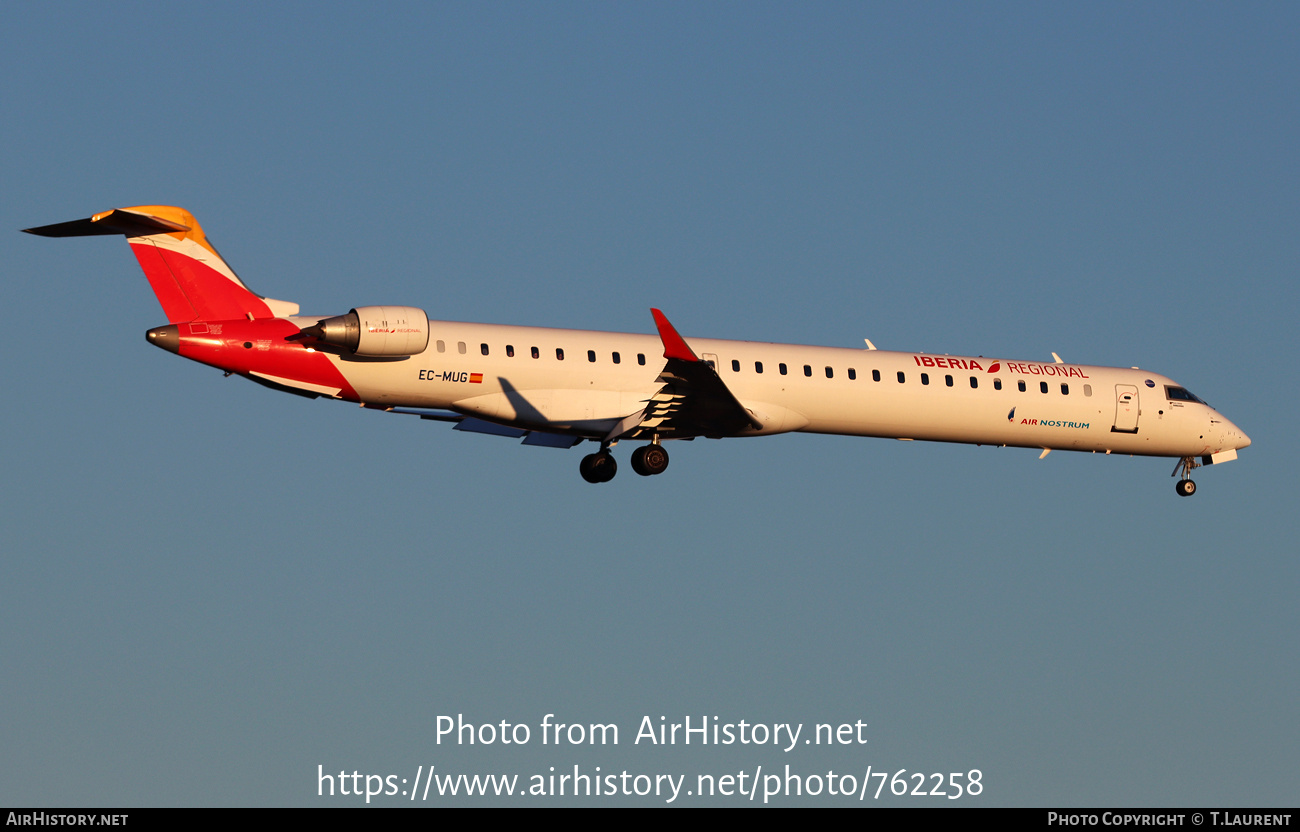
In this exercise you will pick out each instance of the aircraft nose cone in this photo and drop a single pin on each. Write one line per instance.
(1234, 436)
(167, 337)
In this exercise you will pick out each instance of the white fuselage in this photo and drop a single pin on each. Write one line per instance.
(489, 371)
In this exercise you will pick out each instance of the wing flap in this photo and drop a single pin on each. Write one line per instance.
(694, 400)
(290, 385)
(472, 425)
(551, 440)
(469, 424)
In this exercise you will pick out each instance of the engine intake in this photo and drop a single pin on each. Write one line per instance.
(376, 331)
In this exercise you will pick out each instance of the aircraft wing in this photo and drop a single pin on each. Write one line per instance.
(473, 425)
(694, 400)
(691, 401)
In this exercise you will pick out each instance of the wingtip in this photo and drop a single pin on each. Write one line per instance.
(674, 345)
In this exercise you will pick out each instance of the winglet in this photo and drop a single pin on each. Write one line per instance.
(674, 345)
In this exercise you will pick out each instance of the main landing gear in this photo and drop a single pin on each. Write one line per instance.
(1185, 486)
(599, 467)
(647, 461)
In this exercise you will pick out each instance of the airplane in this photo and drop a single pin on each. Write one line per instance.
(559, 387)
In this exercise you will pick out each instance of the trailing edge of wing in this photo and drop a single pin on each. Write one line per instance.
(435, 415)
(628, 425)
(550, 440)
(469, 424)
(538, 438)
(298, 388)
(472, 425)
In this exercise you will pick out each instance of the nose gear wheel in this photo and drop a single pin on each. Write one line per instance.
(1185, 466)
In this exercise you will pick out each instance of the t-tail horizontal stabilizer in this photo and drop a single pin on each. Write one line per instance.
(189, 278)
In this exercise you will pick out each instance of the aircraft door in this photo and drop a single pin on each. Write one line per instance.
(1126, 409)
(710, 359)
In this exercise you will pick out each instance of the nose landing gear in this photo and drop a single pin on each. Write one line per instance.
(1185, 466)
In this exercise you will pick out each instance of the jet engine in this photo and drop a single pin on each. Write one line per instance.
(375, 331)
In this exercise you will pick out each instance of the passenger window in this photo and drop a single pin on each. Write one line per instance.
(853, 374)
(1042, 385)
(591, 356)
(483, 348)
(460, 347)
(616, 358)
(875, 375)
(1065, 389)
(442, 346)
(559, 354)
(974, 383)
(902, 379)
(758, 366)
(510, 351)
(807, 370)
(925, 378)
(947, 380)
(997, 384)
(640, 358)
(830, 373)
(1087, 389)
(1022, 386)
(536, 354)
(735, 365)
(781, 367)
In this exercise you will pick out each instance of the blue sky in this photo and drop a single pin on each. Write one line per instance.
(212, 589)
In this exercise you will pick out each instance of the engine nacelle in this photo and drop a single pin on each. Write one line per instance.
(376, 331)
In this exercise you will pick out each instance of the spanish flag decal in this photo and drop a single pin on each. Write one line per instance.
(475, 378)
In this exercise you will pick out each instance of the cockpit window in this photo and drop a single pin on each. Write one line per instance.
(1180, 394)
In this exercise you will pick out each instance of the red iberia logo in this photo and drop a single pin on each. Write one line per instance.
(945, 361)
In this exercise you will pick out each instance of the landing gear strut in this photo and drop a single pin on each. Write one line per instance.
(1185, 486)
(649, 460)
(598, 467)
